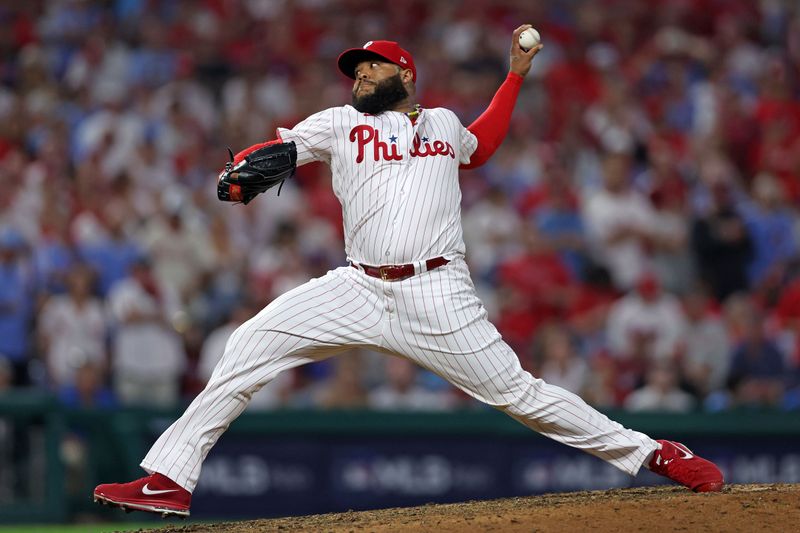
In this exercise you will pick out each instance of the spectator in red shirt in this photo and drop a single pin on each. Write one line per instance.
(541, 276)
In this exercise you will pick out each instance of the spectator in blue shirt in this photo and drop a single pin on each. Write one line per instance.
(113, 257)
(758, 370)
(89, 389)
(770, 224)
(53, 255)
(559, 222)
(16, 303)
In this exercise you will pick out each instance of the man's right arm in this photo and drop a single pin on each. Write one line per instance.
(491, 127)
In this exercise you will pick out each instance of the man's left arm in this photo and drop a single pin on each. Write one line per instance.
(491, 127)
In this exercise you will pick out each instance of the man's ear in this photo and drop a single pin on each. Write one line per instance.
(407, 76)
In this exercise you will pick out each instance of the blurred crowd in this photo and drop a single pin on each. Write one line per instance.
(635, 239)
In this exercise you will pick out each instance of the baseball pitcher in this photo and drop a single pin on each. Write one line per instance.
(406, 291)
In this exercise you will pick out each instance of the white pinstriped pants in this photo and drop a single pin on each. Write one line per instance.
(434, 318)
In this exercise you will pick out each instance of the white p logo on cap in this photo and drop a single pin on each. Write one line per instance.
(367, 44)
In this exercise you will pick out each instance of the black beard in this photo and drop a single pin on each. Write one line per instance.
(387, 93)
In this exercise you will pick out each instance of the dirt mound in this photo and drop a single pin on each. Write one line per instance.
(737, 508)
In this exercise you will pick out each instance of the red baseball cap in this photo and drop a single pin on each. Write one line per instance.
(387, 50)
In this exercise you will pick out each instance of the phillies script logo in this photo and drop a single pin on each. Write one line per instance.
(367, 136)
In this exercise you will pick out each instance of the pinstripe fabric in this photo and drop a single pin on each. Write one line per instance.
(398, 185)
(395, 210)
(434, 319)
(309, 323)
(437, 320)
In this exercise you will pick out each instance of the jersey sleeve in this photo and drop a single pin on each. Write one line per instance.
(468, 144)
(312, 136)
(490, 128)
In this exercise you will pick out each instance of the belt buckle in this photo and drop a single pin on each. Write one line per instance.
(384, 272)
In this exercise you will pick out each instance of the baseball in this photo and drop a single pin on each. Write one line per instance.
(528, 39)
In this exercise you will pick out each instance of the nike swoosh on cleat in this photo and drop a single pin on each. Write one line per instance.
(685, 453)
(151, 492)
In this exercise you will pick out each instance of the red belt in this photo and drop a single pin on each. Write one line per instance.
(398, 272)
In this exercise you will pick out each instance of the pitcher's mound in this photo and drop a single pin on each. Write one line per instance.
(736, 508)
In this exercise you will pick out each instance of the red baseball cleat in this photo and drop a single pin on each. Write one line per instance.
(677, 462)
(153, 494)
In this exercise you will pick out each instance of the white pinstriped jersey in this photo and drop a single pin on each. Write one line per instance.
(397, 181)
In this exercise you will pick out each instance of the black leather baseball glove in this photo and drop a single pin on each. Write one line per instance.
(259, 171)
